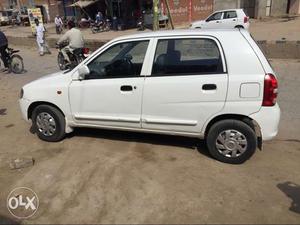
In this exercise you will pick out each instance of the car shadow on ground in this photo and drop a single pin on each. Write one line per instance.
(156, 139)
(292, 191)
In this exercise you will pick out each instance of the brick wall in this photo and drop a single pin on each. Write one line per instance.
(185, 11)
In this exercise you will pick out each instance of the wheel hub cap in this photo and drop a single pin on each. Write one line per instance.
(231, 143)
(46, 124)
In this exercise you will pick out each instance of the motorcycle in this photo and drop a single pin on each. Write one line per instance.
(76, 57)
(15, 61)
(101, 26)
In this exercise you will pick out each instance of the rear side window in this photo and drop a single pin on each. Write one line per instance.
(230, 14)
(187, 57)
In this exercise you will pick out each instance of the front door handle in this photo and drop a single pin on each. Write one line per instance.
(208, 87)
(126, 88)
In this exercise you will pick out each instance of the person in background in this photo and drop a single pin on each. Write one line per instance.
(99, 17)
(74, 38)
(58, 24)
(40, 38)
(3, 47)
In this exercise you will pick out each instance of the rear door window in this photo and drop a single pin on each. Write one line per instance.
(230, 15)
(187, 57)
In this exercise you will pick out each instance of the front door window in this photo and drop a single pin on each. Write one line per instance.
(121, 60)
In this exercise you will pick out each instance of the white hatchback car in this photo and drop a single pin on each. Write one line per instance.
(225, 19)
(215, 85)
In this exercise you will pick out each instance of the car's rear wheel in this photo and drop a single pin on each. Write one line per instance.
(231, 141)
(49, 123)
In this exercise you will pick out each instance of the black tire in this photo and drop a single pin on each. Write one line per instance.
(61, 62)
(59, 120)
(236, 127)
(16, 64)
(93, 30)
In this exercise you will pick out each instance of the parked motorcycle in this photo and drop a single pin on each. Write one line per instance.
(76, 57)
(104, 25)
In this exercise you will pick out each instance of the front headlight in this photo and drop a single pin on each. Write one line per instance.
(21, 93)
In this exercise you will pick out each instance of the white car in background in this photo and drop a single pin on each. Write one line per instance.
(4, 18)
(225, 19)
(211, 84)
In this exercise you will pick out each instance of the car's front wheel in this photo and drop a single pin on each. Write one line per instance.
(49, 123)
(231, 141)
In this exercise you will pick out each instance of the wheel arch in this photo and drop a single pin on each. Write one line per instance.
(33, 105)
(239, 26)
(246, 119)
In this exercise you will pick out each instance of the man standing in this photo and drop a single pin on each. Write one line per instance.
(40, 37)
(58, 24)
(74, 38)
(3, 47)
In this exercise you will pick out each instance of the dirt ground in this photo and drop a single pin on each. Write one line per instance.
(97, 176)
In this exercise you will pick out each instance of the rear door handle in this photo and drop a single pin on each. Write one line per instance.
(207, 87)
(126, 88)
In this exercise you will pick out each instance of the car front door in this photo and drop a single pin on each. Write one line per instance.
(214, 21)
(111, 95)
(187, 85)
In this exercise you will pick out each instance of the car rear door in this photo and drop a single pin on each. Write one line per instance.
(187, 84)
(111, 95)
(230, 19)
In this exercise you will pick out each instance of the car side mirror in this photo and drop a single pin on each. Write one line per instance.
(83, 71)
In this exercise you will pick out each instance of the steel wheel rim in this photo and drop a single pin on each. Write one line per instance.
(231, 143)
(46, 124)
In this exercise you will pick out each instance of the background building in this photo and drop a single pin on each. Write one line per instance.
(128, 11)
(261, 8)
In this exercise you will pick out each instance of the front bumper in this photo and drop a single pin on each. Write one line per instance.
(24, 105)
(268, 120)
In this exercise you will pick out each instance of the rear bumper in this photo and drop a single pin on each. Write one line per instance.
(268, 120)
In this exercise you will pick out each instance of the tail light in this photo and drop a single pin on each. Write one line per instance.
(246, 19)
(270, 90)
(86, 51)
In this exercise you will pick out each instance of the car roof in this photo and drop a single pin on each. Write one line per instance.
(225, 10)
(178, 32)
